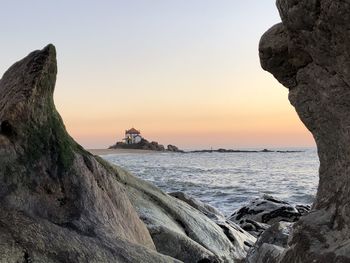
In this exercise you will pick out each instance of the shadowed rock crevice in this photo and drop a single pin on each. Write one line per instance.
(309, 53)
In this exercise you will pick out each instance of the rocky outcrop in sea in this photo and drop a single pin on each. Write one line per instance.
(146, 145)
(309, 53)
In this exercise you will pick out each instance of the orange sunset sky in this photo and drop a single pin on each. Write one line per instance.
(182, 72)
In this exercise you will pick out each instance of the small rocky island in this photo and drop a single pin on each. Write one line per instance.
(134, 140)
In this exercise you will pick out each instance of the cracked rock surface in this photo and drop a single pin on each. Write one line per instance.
(309, 53)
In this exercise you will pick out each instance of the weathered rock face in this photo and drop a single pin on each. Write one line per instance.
(309, 53)
(206, 209)
(58, 204)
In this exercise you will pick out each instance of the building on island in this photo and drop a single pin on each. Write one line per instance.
(132, 136)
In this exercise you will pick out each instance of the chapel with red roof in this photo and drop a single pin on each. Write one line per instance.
(132, 136)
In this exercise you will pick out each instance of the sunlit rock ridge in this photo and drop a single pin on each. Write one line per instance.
(309, 53)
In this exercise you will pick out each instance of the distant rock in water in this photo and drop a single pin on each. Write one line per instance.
(145, 145)
(173, 148)
(309, 53)
(221, 150)
(142, 145)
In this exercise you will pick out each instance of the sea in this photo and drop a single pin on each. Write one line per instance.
(227, 181)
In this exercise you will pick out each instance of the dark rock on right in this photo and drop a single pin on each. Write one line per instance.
(309, 53)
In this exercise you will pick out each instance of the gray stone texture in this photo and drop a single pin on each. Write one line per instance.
(309, 53)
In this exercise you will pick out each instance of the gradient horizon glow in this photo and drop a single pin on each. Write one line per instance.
(184, 72)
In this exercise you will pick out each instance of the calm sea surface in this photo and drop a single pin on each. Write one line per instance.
(228, 180)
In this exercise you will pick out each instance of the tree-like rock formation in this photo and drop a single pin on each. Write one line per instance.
(309, 53)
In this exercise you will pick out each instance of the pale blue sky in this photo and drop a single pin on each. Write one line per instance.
(173, 68)
(131, 30)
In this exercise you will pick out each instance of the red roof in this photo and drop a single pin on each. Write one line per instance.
(132, 131)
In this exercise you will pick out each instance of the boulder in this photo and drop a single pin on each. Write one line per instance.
(309, 53)
(58, 204)
(155, 146)
(260, 213)
(173, 148)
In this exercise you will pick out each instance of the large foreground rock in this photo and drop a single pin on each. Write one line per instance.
(309, 53)
(58, 204)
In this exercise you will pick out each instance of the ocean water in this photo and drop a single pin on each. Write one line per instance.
(228, 180)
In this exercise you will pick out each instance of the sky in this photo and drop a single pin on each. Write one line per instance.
(184, 72)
